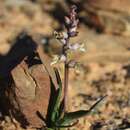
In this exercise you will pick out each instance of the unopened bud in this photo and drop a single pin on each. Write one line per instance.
(73, 34)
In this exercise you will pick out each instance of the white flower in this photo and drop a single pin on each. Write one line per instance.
(75, 23)
(65, 35)
(63, 41)
(77, 46)
(82, 48)
(72, 63)
(74, 47)
(73, 29)
(67, 20)
(55, 59)
(62, 58)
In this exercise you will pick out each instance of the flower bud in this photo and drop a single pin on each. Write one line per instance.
(73, 34)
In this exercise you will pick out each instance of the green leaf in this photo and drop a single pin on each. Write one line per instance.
(71, 116)
(67, 126)
(61, 109)
(55, 113)
(50, 129)
(52, 100)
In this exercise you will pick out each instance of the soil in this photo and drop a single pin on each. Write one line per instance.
(104, 69)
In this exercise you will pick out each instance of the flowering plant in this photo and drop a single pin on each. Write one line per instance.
(58, 116)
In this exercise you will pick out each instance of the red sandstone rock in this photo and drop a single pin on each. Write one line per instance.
(32, 91)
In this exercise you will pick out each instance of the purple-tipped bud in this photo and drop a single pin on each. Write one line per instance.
(73, 11)
(73, 34)
(71, 22)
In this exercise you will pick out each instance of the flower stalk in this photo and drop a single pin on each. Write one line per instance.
(59, 117)
(71, 24)
(66, 80)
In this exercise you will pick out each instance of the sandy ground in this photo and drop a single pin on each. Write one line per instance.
(105, 67)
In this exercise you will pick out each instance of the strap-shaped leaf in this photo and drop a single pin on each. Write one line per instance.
(51, 105)
(67, 126)
(50, 129)
(58, 95)
(61, 110)
(71, 116)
